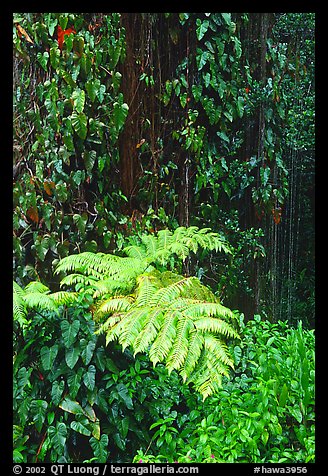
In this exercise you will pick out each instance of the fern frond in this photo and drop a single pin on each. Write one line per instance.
(196, 344)
(112, 305)
(147, 286)
(218, 349)
(63, 297)
(19, 305)
(36, 287)
(110, 286)
(151, 244)
(130, 326)
(217, 326)
(150, 330)
(135, 251)
(169, 293)
(40, 301)
(165, 337)
(179, 350)
(76, 278)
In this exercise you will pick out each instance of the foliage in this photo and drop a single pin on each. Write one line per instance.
(177, 319)
(68, 112)
(265, 413)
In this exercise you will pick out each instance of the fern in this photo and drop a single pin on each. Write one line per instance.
(176, 320)
(160, 248)
(38, 296)
(186, 334)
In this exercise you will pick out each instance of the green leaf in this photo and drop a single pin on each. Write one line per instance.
(58, 437)
(296, 413)
(88, 350)
(89, 157)
(227, 18)
(283, 396)
(71, 406)
(89, 378)
(72, 356)
(92, 87)
(80, 428)
(79, 123)
(48, 355)
(54, 57)
(123, 393)
(69, 332)
(99, 448)
(120, 111)
(43, 59)
(38, 410)
(57, 391)
(202, 28)
(78, 98)
(74, 382)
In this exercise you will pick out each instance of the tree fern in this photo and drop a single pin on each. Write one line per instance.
(184, 333)
(175, 319)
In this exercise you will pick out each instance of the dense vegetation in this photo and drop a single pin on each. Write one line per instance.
(163, 237)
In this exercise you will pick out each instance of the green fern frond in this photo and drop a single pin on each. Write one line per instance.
(113, 305)
(202, 308)
(217, 348)
(19, 305)
(64, 298)
(147, 286)
(111, 286)
(177, 320)
(135, 251)
(171, 292)
(217, 326)
(36, 287)
(165, 337)
(179, 350)
(40, 301)
(196, 344)
(76, 278)
(150, 330)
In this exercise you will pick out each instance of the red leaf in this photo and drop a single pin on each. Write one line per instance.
(61, 33)
(32, 213)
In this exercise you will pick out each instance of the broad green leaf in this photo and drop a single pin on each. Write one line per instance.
(87, 350)
(57, 391)
(48, 355)
(58, 436)
(283, 396)
(71, 406)
(43, 59)
(296, 413)
(54, 57)
(123, 393)
(80, 428)
(72, 356)
(100, 448)
(38, 410)
(69, 332)
(202, 28)
(78, 98)
(79, 123)
(89, 378)
(89, 157)
(120, 111)
(74, 382)
(92, 87)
